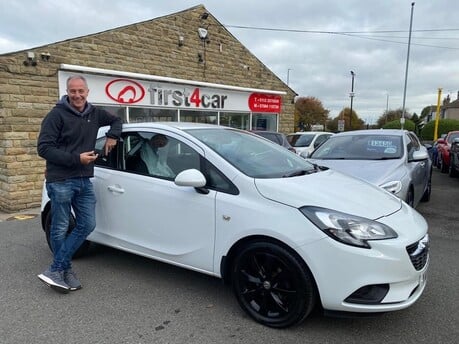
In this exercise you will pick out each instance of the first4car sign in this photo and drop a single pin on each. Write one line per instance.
(127, 91)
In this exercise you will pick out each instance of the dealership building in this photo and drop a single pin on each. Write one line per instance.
(185, 66)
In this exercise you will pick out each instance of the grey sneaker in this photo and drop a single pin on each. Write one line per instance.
(71, 279)
(55, 280)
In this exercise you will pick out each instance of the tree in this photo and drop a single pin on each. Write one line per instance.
(309, 111)
(356, 124)
(426, 111)
(418, 123)
(389, 116)
(395, 124)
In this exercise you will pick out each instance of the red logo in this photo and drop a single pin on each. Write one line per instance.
(259, 102)
(125, 91)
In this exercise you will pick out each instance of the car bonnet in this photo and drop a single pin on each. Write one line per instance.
(376, 172)
(330, 189)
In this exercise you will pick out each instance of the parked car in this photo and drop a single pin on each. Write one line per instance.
(305, 142)
(453, 169)
(283, 233)
(276, 137)
(443, 148)
(392, 159)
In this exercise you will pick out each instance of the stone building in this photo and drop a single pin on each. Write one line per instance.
(450, 109)
(145, 71)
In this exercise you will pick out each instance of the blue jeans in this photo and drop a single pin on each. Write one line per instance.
(77, 194)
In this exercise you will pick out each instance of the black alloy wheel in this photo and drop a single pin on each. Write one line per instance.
(272, 285)
(84, 246)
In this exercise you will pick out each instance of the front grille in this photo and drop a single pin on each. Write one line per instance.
(419, 252)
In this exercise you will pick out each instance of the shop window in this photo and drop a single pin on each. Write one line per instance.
(137, 114)
(235, 120)
(262, 121)
(115, 110)
(198, 116)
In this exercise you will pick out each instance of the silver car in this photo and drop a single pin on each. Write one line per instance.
(392, 159)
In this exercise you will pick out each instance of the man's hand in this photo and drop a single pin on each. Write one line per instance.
(88, 157)
(109, 145)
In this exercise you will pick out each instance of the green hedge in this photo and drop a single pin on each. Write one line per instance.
(444, 126)
(409, 125)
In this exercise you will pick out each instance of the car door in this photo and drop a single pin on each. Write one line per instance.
(151, 215)
(419, 170)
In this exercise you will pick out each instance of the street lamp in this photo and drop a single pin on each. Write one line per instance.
(288, 76)
(351, 94)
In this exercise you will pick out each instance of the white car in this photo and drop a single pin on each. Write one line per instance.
(305, 142)
(283, 233)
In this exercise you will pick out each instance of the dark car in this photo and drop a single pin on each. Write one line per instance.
(453, 169)
(276, 137)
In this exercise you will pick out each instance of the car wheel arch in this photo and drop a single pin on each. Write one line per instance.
(227, 260)
(410, 196)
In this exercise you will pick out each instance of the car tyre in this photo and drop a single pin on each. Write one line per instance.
(452, 172)
(428, 191)
(84, 246)
(272, 285)
(443, 166)
(410, 197)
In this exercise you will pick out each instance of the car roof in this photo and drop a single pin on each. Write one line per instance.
(177, 125)
(310, 132)
(396, 132)
(166, 125)
(266, 131)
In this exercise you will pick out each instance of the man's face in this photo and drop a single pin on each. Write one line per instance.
(78, 93)
(158, 141)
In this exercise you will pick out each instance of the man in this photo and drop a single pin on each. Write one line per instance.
(153, 154)
(66, 141)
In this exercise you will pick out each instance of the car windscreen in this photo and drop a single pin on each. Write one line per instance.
(360, 147)
(251, 154)
(300, 140)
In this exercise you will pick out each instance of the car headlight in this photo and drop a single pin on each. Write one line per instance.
(393, 186)
(346, 228)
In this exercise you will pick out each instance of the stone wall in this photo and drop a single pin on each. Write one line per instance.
(28, 92)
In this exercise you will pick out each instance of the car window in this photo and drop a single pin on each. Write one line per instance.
(452, 136)
(321, 139)
(270, 136)
(251, 154)
(165, 161)
(413, 144)
(300, 140)
(106, 161)
(360, 147)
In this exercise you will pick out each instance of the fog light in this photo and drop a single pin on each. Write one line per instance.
(370, 294)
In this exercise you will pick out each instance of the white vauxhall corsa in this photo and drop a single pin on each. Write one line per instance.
(285, 234)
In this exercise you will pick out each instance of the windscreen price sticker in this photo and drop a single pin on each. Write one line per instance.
(259, 102)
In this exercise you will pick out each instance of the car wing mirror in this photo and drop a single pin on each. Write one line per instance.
(420, 154)
(193, 178)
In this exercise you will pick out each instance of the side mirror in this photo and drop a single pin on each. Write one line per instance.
(420, 154)
(191, 177)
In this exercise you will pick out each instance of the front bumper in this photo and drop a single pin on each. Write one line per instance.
(390, 276)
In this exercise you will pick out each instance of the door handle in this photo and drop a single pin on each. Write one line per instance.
(115, 188)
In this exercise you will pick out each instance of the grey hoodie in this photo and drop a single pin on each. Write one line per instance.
(65, 133)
